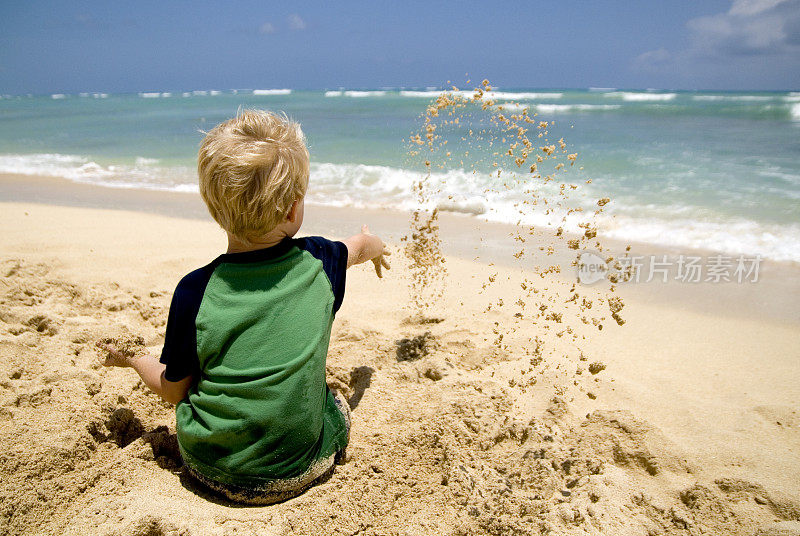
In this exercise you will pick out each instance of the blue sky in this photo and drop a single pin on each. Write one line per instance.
(110, 46)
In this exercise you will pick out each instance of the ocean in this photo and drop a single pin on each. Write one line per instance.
(711, 170)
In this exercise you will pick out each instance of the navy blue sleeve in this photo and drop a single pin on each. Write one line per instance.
(180, 341)
(334, 261)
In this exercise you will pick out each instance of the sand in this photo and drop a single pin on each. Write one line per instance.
(682, 421)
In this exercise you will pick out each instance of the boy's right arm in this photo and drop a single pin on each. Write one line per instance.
(364, 247)
(151, 372)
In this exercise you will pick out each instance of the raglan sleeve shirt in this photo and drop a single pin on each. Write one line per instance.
(334, 262)
(180, 340)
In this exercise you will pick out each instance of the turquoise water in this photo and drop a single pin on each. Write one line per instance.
(696, 169)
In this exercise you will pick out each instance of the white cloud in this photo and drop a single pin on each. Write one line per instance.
(750, 40)
(752, 7)
(748, 27)
(266, 28)
(296, 23)
(654, 60)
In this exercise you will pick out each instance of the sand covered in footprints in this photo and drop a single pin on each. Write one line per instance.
(452, 433)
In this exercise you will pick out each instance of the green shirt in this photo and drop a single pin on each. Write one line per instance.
(253, 329)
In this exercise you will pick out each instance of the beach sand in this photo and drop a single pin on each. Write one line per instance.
(692, 427)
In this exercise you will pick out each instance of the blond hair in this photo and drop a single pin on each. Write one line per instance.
(252, 168)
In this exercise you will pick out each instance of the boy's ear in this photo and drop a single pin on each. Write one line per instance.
(292, 215)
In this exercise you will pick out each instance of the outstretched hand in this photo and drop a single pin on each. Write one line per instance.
(113, 357)
(380, 261)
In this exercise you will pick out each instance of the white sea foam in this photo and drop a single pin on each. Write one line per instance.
(557, 108)
(380, 186)
(632, 96)
(364, 93)
(370, 186)
(793, 179)
(359, 185)
(795, 111)
(566, 108)
(688, 229)
(199, 93)
(272, 91)
(744, 98)
(471, 205)
(144, 174)
(754, 98)
(490, 95)
(432, 94)
(737, 236)
(39, 164)
(58, 96)
(213, 93)
(512, 106)
(510, 95)
(428, 94)
(150, 95)
(334, 93)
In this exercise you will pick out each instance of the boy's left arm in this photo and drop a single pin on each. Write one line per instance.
(364, 247)
(151, 371)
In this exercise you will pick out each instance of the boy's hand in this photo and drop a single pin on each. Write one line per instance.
(113, 357)
(380, 260)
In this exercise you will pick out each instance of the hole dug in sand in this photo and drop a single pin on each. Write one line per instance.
(123, 428)
(42, 324)
(417, 347)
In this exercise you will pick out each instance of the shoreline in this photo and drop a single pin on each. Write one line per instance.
(54, 190)
(773, 297)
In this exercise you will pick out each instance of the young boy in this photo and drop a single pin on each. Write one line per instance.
(247, 335)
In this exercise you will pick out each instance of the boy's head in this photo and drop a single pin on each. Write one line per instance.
(252, 169)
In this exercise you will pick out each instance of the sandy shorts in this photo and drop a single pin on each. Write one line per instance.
(281, 490)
